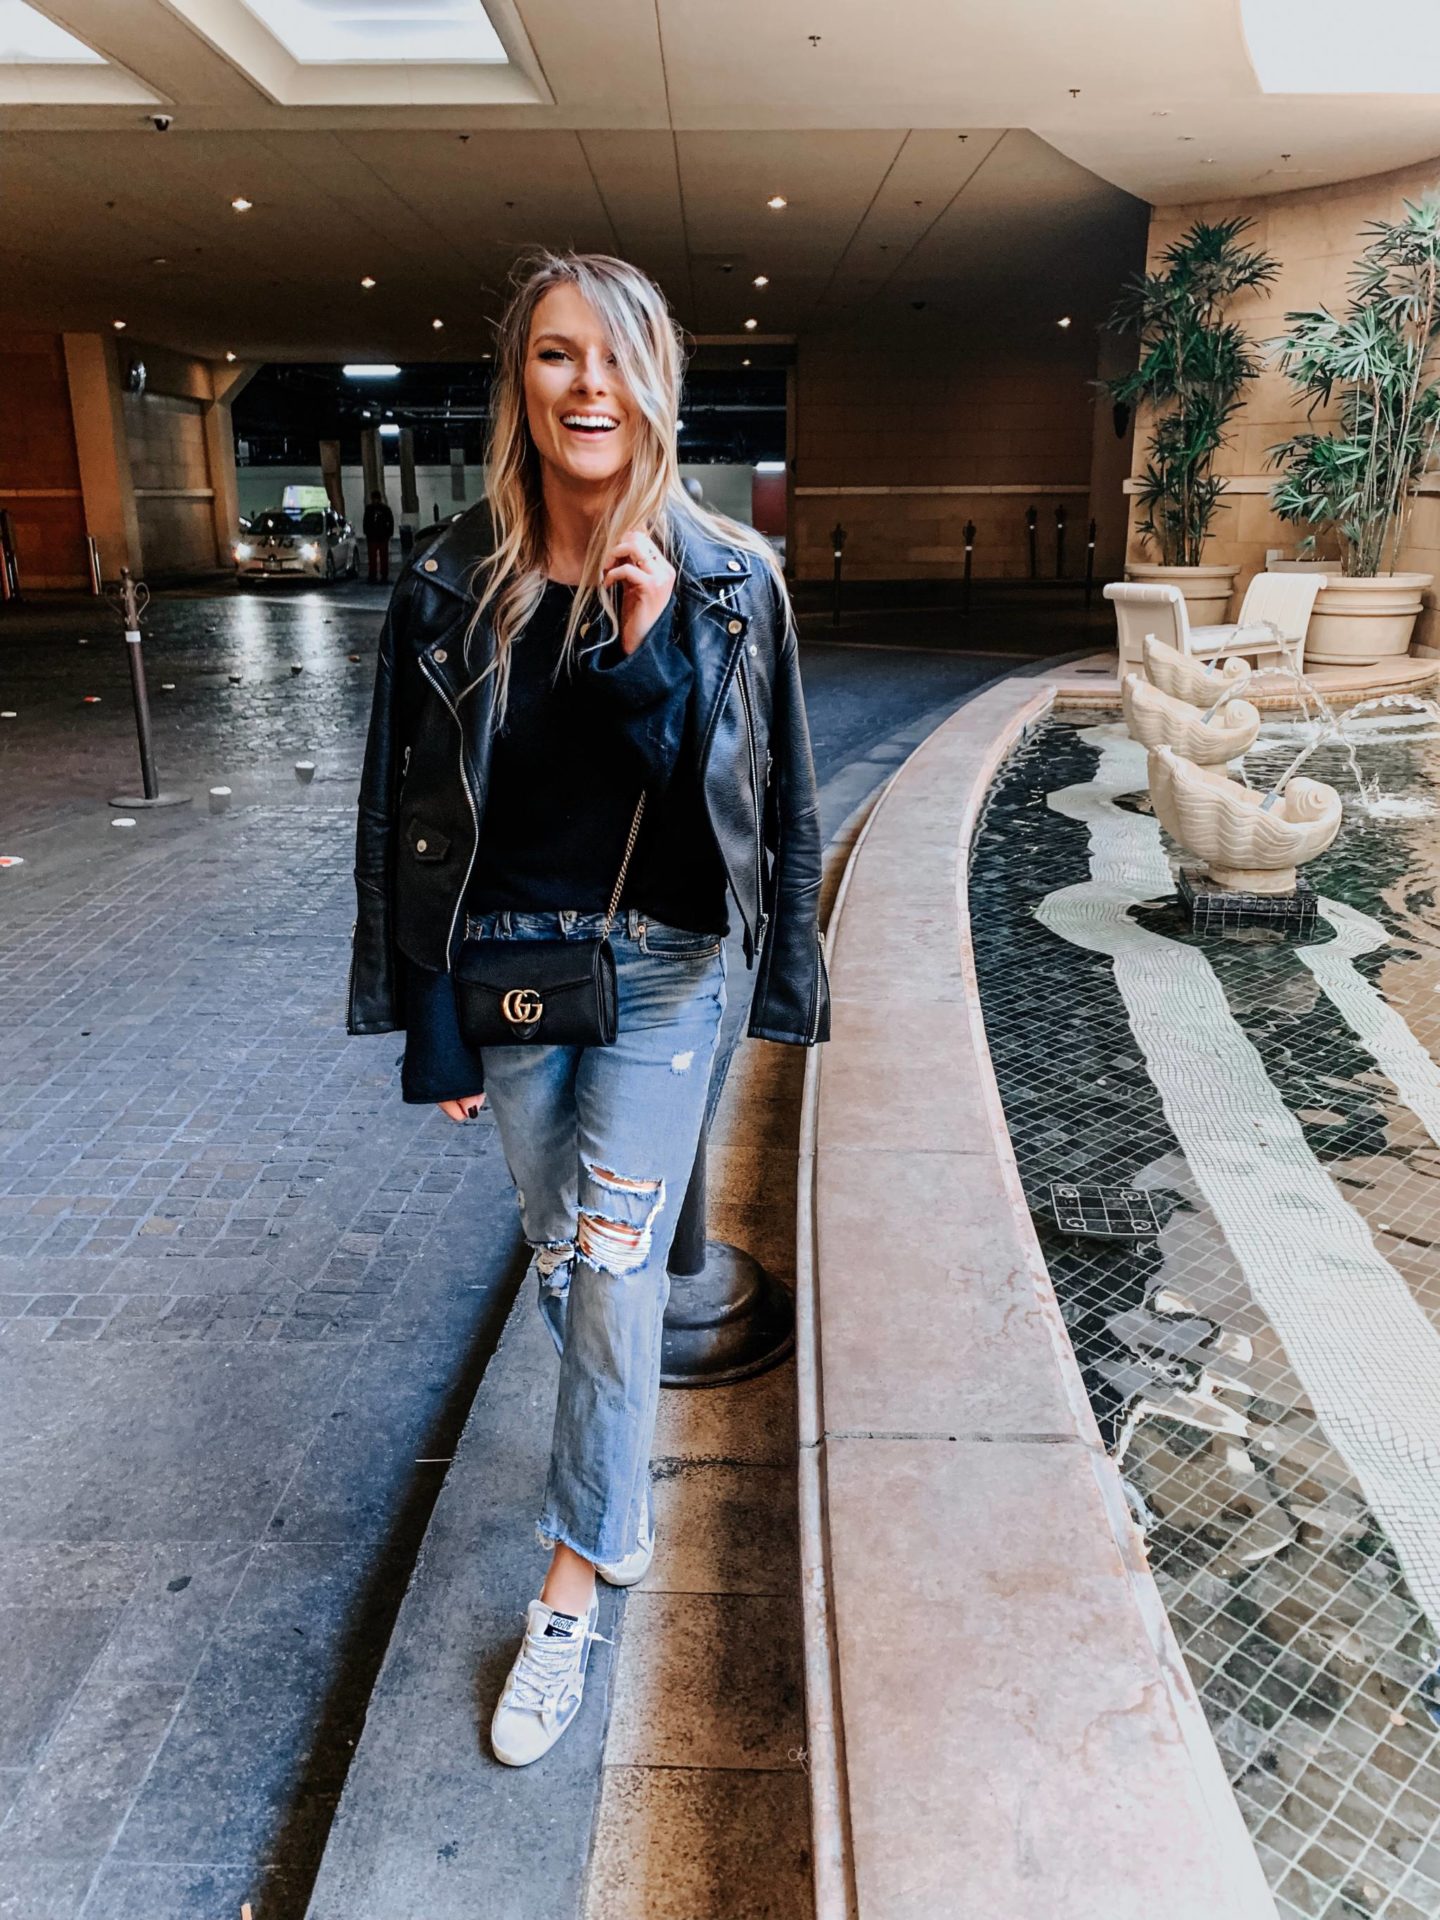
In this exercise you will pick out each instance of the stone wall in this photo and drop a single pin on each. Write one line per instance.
(905, 434)
(39, 471)
(1316, 234)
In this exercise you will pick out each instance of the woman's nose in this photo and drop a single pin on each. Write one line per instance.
(591, 373)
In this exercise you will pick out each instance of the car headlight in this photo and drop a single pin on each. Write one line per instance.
(310, 551)
(243, 550)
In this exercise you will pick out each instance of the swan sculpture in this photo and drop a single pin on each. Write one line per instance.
(1248, 847)
(1157, 719)
(1184, 677)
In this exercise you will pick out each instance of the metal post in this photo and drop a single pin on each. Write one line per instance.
(969, 558)
(1059, 540)
(9, 565)
(1089, 566)
(837, 543)
(1032, 519)
(133, 602)
(727, 1318)
(92, 557)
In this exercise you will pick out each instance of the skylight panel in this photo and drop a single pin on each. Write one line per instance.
(389, 32)
(1328, 46)
(27, 38)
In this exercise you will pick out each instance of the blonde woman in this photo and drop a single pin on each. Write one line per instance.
(589, 636)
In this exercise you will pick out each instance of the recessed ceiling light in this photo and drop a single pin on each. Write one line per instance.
(761, 280)
(777, 200)
(487, 356)
(119, 325)
(750, 325)
(159, 261)
(367, 280)
(228, 354)
(744, 363)
(437, 324)
(1063, 322)
(241, 204)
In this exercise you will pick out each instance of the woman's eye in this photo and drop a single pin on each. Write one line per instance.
(552, 353)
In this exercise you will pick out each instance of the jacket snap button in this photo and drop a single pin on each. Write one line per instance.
(734, 565)
(420, 845)
(735, 626)
(440, 656)
(430, 565)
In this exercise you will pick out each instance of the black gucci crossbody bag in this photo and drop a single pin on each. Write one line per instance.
(549, 992)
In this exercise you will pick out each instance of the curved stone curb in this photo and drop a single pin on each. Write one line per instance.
(999, 1719)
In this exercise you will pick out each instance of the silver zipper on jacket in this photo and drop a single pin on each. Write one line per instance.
(762, 918)
(440, 688)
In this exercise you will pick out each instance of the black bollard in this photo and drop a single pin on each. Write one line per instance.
(1089, 566)
(837, 543)
(727, 1318)
(1032, 519)
(133, 602)
(1059, 540)
(9, 565)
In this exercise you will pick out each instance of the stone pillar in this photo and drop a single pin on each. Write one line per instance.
(226, 382)
(92, 370)
(372, 463)
(409, 493)
(330, 474)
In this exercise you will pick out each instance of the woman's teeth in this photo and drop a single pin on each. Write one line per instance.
(589, 422)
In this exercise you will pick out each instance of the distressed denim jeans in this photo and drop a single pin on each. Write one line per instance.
(600, 1142)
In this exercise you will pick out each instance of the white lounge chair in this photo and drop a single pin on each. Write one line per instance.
(1142, 609)
(1273, 618)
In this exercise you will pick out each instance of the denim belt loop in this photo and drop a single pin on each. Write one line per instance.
(504, 926)
(632, 922)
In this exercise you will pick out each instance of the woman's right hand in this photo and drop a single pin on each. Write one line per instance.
(465, 1109)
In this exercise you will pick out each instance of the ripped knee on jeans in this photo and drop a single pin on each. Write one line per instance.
(613, 1234)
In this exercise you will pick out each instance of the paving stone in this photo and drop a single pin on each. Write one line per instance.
(683, 1698)
(74, 1802)
(45, 1652)
(709, 1845)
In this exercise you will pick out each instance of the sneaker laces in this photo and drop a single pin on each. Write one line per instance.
(544, 1665)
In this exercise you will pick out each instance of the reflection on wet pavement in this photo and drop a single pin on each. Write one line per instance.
(1306, 1639)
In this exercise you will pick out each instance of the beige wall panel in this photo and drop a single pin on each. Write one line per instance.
(1316, 233)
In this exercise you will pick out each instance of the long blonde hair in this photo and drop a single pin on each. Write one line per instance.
(510, 580)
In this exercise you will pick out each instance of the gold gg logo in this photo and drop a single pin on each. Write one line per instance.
(522, 1006)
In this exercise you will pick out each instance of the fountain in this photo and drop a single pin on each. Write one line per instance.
(1157, 719)
(1252, 842)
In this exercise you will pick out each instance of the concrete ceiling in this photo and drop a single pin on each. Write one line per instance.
(656, 128)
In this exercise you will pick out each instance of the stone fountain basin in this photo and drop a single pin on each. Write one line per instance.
(1157, 719)
(1247, 847)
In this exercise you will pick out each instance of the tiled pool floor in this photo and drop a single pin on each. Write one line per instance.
(1264, 1368)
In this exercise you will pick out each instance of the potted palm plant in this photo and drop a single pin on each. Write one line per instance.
(1194, 368)
(1378, 359)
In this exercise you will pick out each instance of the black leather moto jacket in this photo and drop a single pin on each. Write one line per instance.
(422, 789)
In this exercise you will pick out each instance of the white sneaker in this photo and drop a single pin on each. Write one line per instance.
(634, 1566)
(544, 1687)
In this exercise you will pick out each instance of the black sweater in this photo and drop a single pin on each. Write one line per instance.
(564, 779)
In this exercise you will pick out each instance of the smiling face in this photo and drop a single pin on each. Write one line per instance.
(579, 409)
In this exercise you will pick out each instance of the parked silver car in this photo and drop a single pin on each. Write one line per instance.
(312, 543)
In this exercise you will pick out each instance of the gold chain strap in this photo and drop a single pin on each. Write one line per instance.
(614, 906)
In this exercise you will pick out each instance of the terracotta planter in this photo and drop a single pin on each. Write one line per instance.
(1207, 590)
(1357, 622)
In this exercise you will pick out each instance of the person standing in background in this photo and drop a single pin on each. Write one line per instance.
(379, 527)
